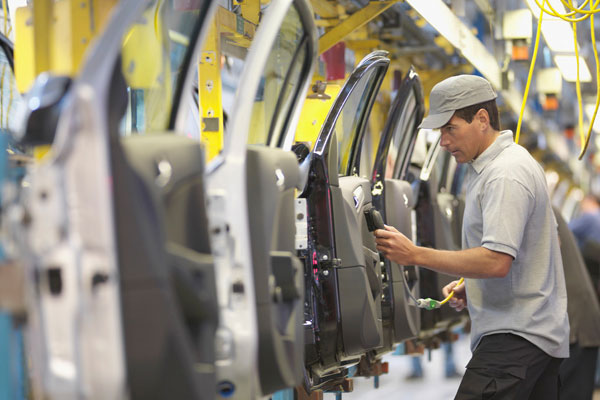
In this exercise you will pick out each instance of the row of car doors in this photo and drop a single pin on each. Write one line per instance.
(165, 275)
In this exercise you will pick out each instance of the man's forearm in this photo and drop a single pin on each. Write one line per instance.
(477, 262)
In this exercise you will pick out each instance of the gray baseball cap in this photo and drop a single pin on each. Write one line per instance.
(455, 93)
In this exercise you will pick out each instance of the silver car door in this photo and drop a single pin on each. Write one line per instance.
(251, 188)
(95, 240)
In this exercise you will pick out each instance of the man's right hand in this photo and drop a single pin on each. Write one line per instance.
(459, 300)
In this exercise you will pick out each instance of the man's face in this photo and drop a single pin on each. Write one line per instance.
(462, 139)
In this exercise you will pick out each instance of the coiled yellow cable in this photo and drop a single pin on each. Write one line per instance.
(593, 9)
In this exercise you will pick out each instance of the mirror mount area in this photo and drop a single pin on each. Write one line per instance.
(43, 106)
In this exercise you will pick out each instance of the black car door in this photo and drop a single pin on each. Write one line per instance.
(343, 284)
(393, 197)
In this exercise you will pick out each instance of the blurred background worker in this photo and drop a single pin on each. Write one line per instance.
(586, 228)
(577, 372)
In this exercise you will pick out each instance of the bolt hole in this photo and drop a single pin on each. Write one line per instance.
(226, 388)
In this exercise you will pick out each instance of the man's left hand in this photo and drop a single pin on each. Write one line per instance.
(395, 246)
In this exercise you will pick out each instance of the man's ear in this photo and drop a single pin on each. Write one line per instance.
(483, 117)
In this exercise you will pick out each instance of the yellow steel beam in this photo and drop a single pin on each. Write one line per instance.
(353, 22)
(102, 9)
(234, 27)
(42, 22)
(25, 71)
(327, 23)
(324, 9)
(430, 77)
(72, 31)
(363, 44)
(250, 10)
(54, 37)
(209, 93)
(313, 114)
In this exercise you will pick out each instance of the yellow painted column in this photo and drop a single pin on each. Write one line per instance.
(250, 10)
(209, 93)
(54, 35)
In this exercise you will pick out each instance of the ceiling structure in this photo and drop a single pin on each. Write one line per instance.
(443, 38)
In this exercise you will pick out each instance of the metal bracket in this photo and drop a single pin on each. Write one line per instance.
(301, 224)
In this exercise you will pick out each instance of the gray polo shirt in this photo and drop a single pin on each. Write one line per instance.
(508, 210)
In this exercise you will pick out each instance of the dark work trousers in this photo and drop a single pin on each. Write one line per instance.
(507, 367)
(577, 373)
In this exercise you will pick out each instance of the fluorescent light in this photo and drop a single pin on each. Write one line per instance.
(558, 35)
(517, 24)
(568, 68)
(549, 81)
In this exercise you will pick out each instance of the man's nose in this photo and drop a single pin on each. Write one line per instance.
(443, 141)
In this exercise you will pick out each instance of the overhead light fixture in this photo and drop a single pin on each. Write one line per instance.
(517, 27)
(558, 35)
(549, 81)
(568, 68)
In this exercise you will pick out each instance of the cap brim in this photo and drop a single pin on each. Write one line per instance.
(436, 121)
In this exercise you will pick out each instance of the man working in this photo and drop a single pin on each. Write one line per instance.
(515, 286)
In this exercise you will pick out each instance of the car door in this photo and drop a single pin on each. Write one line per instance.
(393, 197)
(121, 288)
(12, 162)
(343, 284)
(439, 225)
(251, 189)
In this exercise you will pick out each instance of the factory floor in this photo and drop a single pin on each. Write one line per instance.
(432, 386)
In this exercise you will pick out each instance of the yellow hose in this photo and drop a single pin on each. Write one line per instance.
(578, 84)
(534, 56)
(573, 11)
(587, 139)
(452, 292)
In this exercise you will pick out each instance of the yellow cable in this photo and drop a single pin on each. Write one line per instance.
(578, 84)
(589, 134)
(452, 292)
(593, 8)
(572, 12)
(156, 11)
(535, 50)
(554, 13)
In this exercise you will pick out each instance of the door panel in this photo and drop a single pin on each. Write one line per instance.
(359, 274)
(393, 197)
(273, 175)
(111, 257)
(343, 284)
(399, 202)
(252, 201)
(177, 279)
